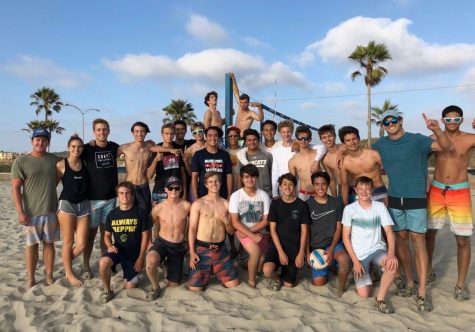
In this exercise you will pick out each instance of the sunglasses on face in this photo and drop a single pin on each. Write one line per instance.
(457, 119)
(197, 131)
(304, 138)
(174, 188)
(388, 122)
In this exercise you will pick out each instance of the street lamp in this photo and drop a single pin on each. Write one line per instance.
(82, 113)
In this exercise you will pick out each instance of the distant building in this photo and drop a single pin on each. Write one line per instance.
(8, 155)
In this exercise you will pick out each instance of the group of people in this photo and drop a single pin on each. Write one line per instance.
(282, 199)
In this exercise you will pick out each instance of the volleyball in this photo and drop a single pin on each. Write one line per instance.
(318, 259)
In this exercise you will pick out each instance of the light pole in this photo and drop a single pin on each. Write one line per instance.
(82, 113)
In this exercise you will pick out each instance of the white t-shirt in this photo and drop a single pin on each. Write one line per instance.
(365, 225)
(250, 209)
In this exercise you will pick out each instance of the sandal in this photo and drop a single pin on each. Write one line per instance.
(106, 296)
(274, 284)
(86, 275)
(152, 295)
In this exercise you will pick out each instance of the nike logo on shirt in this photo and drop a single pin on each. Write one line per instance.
(320, 215)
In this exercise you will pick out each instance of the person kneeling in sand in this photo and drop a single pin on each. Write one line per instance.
(325, 232)
(362, 222)
(289, 219)
(209, 222)
(129, 226)
(171, 216)
(248, 208)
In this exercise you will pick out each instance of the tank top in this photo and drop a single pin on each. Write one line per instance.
(74, 184)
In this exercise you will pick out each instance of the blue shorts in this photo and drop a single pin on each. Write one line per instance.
(127, 266)
(324, 272)
(43, 228)
(99, 211)
(411, 220)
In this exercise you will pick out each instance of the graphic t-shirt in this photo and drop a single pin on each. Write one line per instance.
(169, 165)
(126, 228)
(39, 183)
(366, 227)
(102, 170)
(289, 217)
(204, 161)
(324, 218)
(251, 209)
(263, 162)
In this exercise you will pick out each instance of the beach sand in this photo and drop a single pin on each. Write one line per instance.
(61, 307)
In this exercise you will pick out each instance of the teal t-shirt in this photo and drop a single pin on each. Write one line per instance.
(405, 162)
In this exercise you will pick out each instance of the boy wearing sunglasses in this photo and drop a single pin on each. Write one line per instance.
(449, 197)
(404, 157)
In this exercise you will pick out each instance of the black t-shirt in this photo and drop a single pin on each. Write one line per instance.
(204, 162)
(324, 218)
(126, 228)
(288, 217)
(188, 143)
(102, 170)
(169, 165)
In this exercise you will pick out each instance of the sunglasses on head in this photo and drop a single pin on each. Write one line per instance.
(304, 138)
(174, 188)
(393, 121)
(457, 119)
(197, 131)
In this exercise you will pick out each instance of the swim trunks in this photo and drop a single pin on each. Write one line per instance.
(324, 272)
(305, 195)
(142, 197)
(213, 256)
(288, 273)
(452, 202)
(174, 254)
(375, 258)
(380, 193)
(408, 214)
(43, 228)
(263, 243)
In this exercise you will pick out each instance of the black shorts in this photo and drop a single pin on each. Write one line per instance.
(174, 253)
(127, 266)
(288, 273)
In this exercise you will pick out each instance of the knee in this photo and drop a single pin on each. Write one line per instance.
(363, 291)
(319, 281)
(463, 242)
(268, 269)
(104, 264)
(344, 263)
(152, 261)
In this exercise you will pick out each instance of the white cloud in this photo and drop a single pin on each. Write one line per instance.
(209, 66)
(410, 53)
(255, 43)
(36, 70)
(204, 30)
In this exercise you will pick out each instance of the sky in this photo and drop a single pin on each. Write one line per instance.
(130, 58)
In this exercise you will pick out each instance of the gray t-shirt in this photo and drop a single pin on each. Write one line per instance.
(39, 183)
(324, 218)
(263, 162)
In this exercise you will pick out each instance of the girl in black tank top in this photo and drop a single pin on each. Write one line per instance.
(74, 209)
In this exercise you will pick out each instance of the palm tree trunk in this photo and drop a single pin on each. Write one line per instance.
(369, 114)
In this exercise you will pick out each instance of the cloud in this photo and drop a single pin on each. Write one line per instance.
(36, 70)
(255, 43)
(209, 66)
(202, 29)
(410, 53)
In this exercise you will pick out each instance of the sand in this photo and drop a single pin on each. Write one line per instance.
(61, 307)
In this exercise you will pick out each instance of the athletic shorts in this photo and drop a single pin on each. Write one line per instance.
(452, 202)
(324, 272)
(263, 243)
(305, 195)
(127, 266)
(43, 228)
(408, 214)
(81, 209)
(379, 194)
(100, 210)
(159, 197)
(375, 258)
(174, 253)
(213, 256)
(288, 273)
(142, 197)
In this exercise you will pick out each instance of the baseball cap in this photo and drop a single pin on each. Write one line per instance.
(394, 114)
(233, 128)
(172, 180)
(40, 132)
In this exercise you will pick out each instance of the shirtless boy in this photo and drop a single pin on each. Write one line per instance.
(209, 222)
(327, 135)
(212, 116)
(245, 116)
(300, 165)
(169, 243)
(198, 132)
(449, 197)
(360, 162)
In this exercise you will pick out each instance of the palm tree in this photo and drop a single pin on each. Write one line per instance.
(32, 125)
(47, 100)
(368, 58)
(378, 112)
(179, 109)
(52, 126)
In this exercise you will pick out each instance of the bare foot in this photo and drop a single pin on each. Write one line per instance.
(30, 283)
(49, 280)
(73, 280)
(252, 284)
